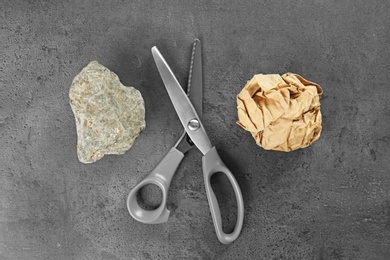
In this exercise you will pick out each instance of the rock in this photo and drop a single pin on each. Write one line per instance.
(109, 116)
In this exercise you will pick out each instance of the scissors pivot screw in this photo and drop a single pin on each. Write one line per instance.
(193, 124)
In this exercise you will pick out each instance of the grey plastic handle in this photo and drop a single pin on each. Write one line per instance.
(160, 176)
(212, 163)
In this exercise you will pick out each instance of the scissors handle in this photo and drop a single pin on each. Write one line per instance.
(212, 163)
(160, 176)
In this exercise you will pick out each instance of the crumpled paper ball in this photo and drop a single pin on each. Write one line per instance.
(281, 112)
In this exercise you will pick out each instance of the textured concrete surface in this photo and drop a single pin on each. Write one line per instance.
(328, 201)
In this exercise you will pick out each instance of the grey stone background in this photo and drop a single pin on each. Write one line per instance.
(328, 201)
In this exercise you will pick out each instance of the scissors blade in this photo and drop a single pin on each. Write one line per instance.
(182, 104)
(194, 92)
(195, 79)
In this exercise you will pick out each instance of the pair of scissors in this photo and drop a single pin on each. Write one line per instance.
(189, 109)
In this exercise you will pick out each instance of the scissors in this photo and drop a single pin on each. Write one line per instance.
(189, 109)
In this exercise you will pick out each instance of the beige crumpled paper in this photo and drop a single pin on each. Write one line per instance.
(281, 112)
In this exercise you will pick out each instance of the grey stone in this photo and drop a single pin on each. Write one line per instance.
(109, 116)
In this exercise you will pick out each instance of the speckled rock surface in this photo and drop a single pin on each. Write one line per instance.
(109, 116)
